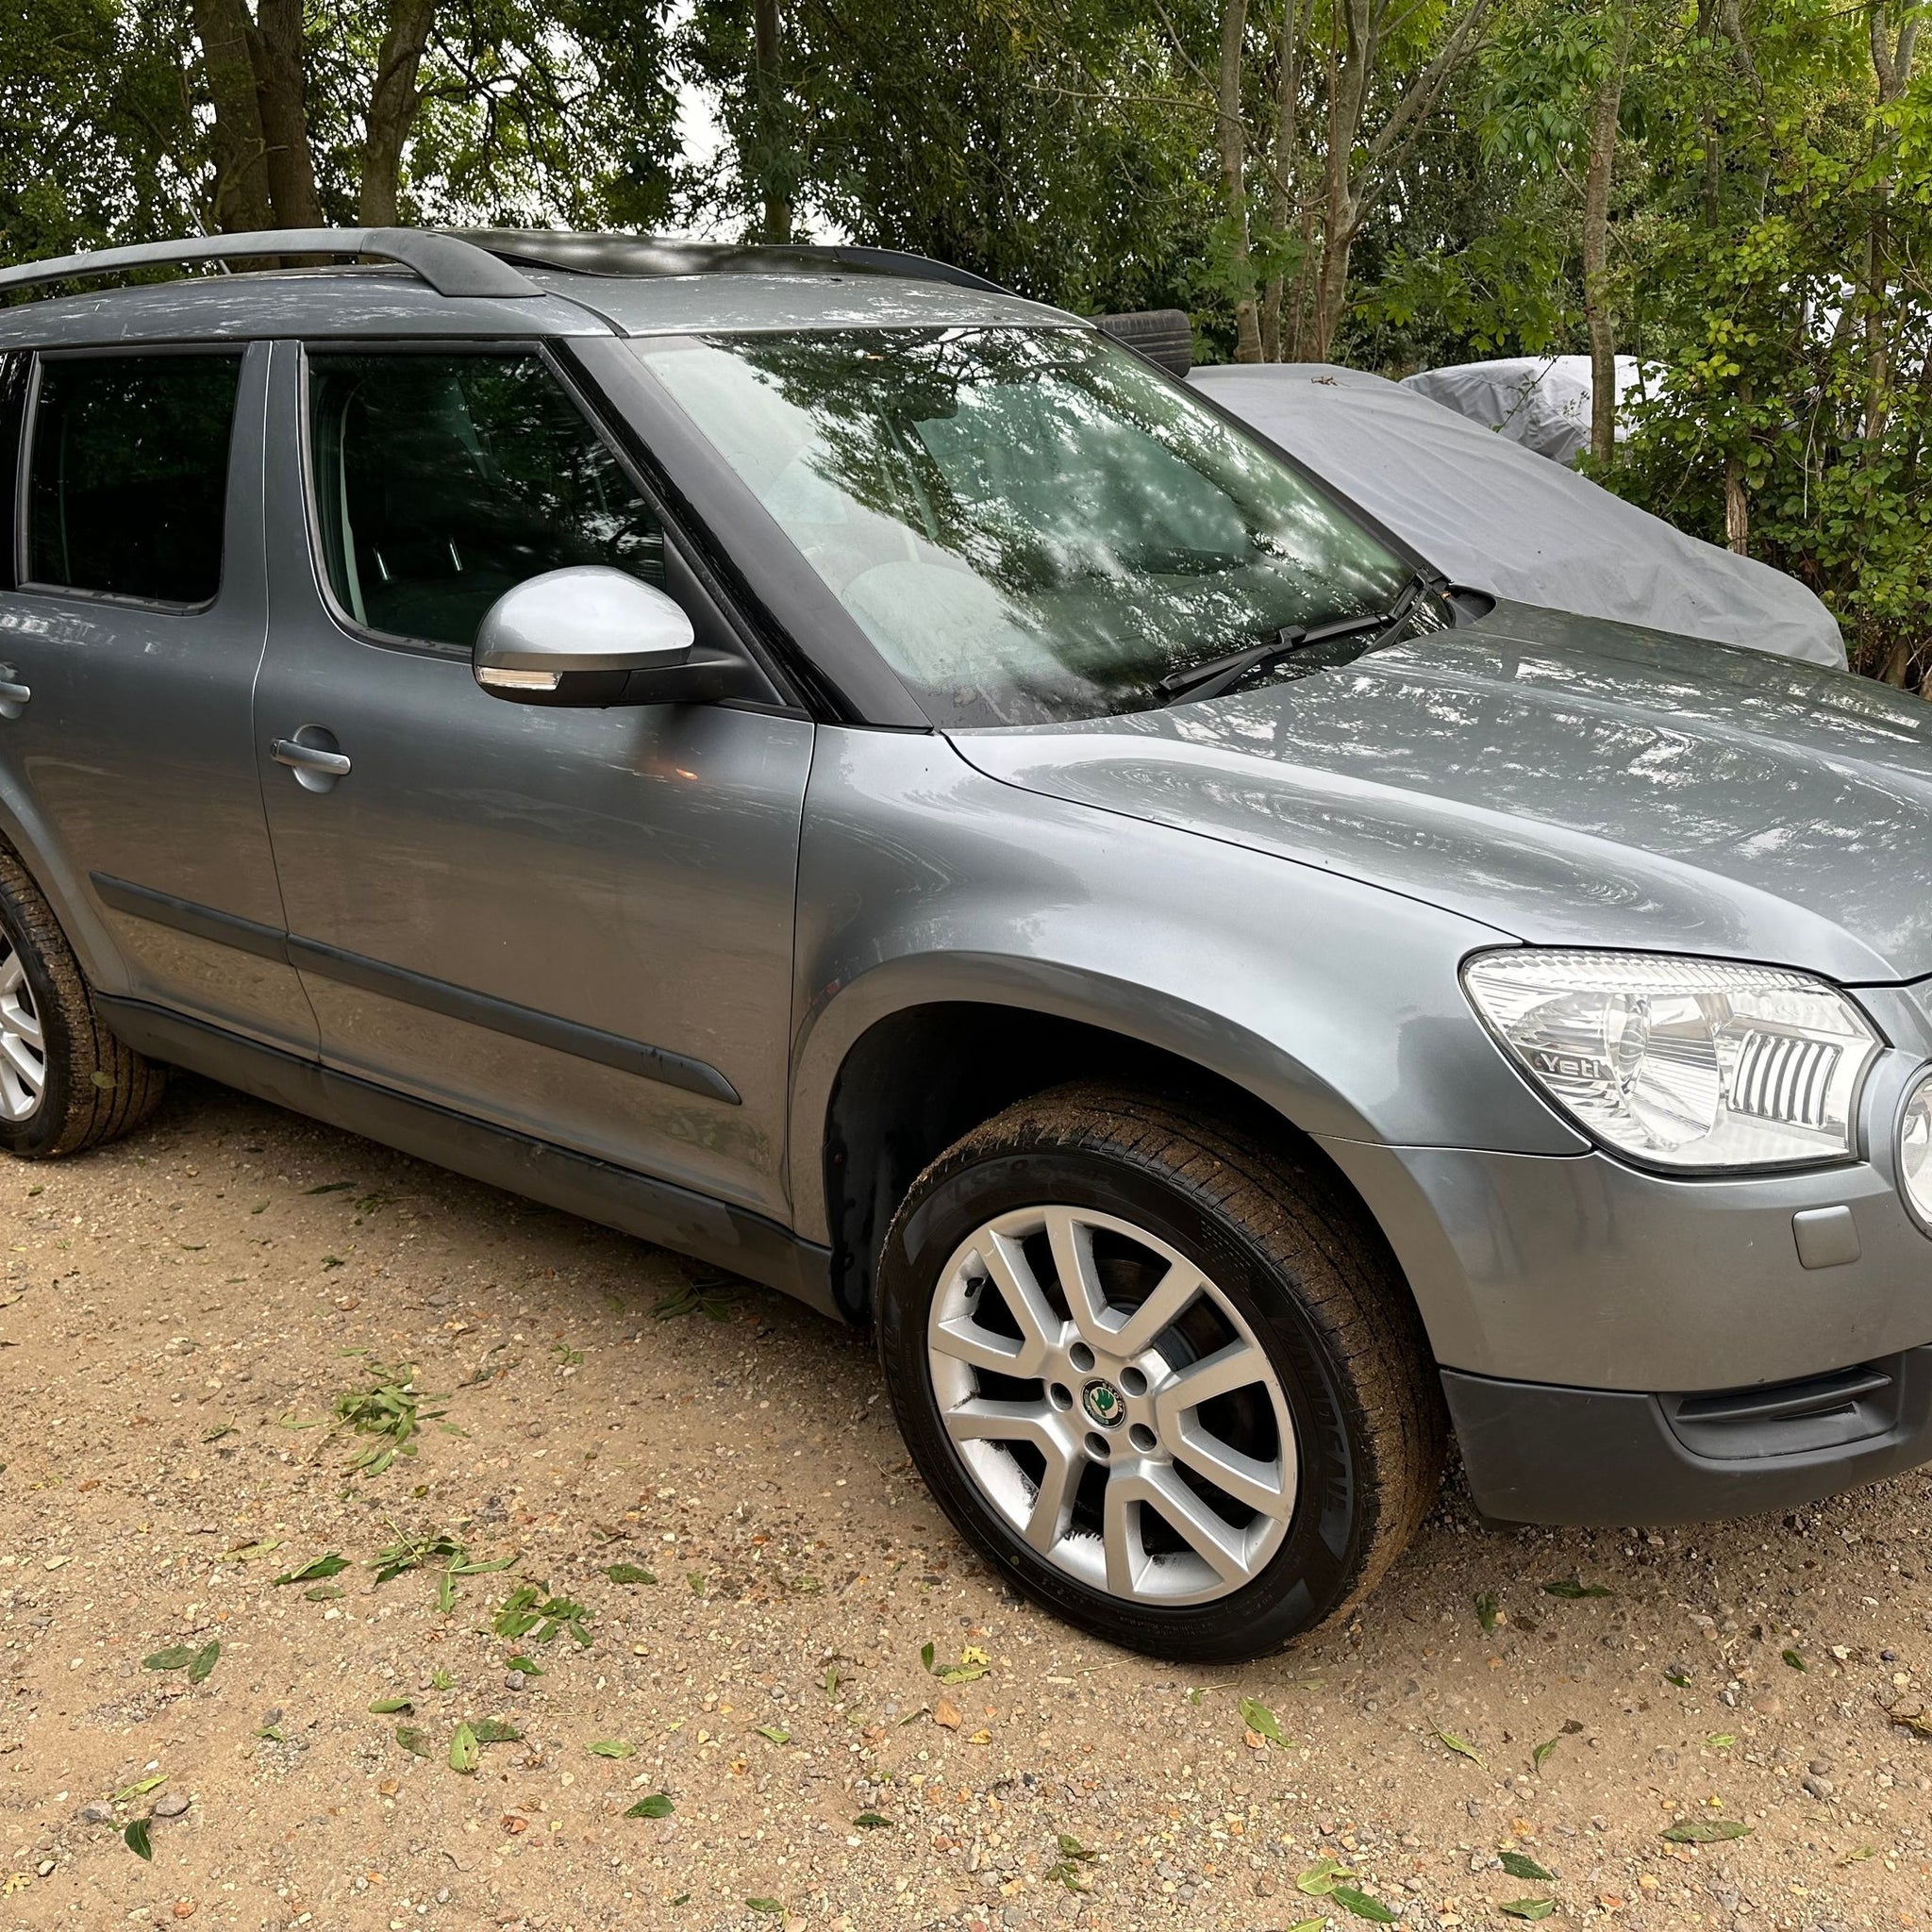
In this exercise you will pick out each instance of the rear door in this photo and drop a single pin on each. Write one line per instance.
(573, 923)
(133, 611)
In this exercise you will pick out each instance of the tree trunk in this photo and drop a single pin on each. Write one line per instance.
(1596, 236)
(1288, 82)
(1737, 508)
(1351, 66)
(773, 143)
(242, 199)
(393, 104)
(1234, 183)
(277, 46)
(1891, 67)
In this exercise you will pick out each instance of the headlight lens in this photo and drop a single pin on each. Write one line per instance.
(1915, 1149)
(1691, 1063)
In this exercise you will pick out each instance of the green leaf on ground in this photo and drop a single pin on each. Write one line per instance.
(140, 1788)
(1363, 1906)
(524, 1667)
(1462, 1747)
(774, 1733)
(770, 1907)
(1797, 1662)
(178, 1656)
(713, 1300)
(1527, 1908)
(1321, 1877)
(657, 1806)
(530, 1611)
(463, 1753)
(1263, 1722)
(136, 1840)
(322, 1593)
(387, 1407)
(1488, 1612)
(1570, 1587)
(412, 1741)
(1540, 1753)
(1721, 1740)
(1519, 1867)
(497, 1730)
(613, 1747)
(630, 1573)
(1705, 1831)
(391, 1707)
(872, 1821)
(204, 1661)
(1066, 1869)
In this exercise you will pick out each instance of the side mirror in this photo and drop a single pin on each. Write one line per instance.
(590, 635)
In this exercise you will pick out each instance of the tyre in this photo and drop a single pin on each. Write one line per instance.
(66, 1083)
(1166, 1379)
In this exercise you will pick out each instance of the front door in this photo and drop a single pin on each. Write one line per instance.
(134, 627)
(574, 924)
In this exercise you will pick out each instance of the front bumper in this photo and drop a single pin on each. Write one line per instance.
(1583, 1273)
(1537, 1453)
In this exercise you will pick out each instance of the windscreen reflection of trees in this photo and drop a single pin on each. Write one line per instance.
(1076, 526)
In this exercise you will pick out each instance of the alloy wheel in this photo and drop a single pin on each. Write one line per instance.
(22, 1047)
(1112, 1405)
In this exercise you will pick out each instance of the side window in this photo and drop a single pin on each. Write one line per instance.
(443, 480)
(127, 474)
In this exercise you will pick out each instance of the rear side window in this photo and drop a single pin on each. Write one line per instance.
(128, 476)
(442, 481)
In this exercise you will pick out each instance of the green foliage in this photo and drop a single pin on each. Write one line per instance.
(1770, 208)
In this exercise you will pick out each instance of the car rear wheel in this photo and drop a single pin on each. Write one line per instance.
(1163, 1377)
(66, 1083)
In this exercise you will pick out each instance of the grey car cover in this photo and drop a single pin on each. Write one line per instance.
(1490, 514)
(1542, 402)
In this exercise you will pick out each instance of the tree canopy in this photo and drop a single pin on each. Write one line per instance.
(1734, 191)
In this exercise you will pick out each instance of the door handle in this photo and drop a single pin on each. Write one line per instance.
(13, 694)
(306, 757)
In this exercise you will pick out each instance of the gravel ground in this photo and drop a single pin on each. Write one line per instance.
(178, 1317)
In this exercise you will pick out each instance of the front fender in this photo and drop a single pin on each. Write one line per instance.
(1336, 1004)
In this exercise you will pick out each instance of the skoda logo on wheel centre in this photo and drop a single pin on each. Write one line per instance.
(1102, 1402)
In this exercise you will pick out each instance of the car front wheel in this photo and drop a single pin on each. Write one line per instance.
(1163, 1377)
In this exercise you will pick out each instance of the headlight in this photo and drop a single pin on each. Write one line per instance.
(1915, 1149)
(1691, 1063)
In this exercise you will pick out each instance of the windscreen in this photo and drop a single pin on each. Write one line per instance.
(1030, 525)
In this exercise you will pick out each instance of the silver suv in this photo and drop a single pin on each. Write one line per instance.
(821, 764)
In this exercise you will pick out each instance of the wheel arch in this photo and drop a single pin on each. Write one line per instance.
(911, 1076)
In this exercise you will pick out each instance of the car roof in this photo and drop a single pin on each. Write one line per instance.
(563, 285)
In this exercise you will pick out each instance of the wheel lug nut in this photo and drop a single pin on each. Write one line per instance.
(1061, 1395)
(1143, 1439)
(1098, 1446)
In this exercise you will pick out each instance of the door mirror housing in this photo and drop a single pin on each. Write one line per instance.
(592, 636)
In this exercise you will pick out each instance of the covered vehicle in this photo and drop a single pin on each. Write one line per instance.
(1542, 402)
(1492, 515)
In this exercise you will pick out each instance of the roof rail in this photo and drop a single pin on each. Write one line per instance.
(449, 265)
(651, 255)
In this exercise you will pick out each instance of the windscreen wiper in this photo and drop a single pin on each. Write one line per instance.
(1209, 680)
